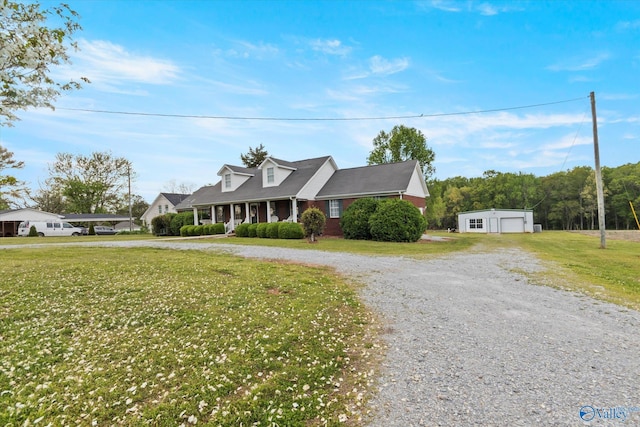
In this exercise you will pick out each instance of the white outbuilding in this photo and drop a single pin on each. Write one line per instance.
(496, 221)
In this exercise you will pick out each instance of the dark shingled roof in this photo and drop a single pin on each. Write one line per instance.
(252, 189)
(389, 178)
(175, 198)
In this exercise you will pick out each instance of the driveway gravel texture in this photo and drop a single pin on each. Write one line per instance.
(471, 341)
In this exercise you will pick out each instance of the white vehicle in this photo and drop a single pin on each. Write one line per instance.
(49, 228)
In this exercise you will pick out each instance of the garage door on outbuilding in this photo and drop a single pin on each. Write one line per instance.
(496, 221)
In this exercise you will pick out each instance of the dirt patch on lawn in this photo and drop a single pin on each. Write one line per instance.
(628, 235)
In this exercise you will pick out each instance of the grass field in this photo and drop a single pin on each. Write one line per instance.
(140, 336)
(100, 336)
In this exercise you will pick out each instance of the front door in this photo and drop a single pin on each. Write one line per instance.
(253, 213)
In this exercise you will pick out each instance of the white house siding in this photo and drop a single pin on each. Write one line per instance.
(154, 211)
(496, 221)
(319, 179)
(417, 187)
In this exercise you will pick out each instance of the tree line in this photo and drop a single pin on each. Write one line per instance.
(561, 201)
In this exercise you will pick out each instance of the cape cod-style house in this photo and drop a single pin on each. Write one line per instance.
(163, 203)
(279, 190)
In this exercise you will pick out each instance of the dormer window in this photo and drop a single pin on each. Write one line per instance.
(270, 175)
(227, 180)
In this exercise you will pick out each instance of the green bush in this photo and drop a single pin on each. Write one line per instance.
(92, 230)
(253, 230)
(290, 230)
(178, 220)
(397, 220)
(218, 228)
(313, 221)
(261, 230)
(184, 230)
(162, 225)
(32, 231)
(272, 230)
(242, 230)
(355, 219)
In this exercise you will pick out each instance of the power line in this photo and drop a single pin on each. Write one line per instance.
(300, 119)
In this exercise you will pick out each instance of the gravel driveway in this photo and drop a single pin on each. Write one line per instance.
(473, 343)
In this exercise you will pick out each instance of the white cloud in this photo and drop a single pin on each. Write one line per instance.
(330, 47)
(108, 64)
(486, 8)
(446, 6)
(579, 64)
(380, 65)
(247, 50)
(628, 25)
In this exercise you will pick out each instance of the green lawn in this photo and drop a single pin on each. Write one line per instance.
(144, 336)
(154, 336)
(578, 263)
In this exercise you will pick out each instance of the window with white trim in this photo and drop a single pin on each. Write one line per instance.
(475, 223)
(227, 180)
(334, 208)
(271, 177)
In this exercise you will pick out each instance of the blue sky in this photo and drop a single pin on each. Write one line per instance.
(252, 60)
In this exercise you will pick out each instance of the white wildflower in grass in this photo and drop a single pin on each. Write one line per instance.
(136, 336)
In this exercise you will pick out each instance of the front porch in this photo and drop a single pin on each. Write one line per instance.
(250, 212)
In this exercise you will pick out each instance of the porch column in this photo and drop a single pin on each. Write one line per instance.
(294, 209)
(232, 221)
(268, 210)
(247, 220)
(213, 215)
(195, 216)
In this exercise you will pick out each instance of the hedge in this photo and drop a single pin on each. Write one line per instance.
(397, 220)
(355, 219)
(290, 230)
(253, 230)
(261, 230)
(242, 230)
(272, 230)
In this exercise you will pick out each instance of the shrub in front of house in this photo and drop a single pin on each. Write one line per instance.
(355, 219)
(397, 220)
(261, 230)
(290, 230)
(272, 230)
(313, 222)
(242, 230)
(162, 225)
(178, 220)
(253, 230)
(33, 232)
(211, 229)
(92, 230)
(191, 230)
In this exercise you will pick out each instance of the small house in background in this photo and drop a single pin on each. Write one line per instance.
(164, 203)
(496, 221)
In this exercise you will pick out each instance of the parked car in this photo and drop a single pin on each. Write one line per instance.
(102, 230)
(49, 228)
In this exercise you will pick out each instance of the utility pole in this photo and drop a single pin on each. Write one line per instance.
(130, 211)
(599, 186)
